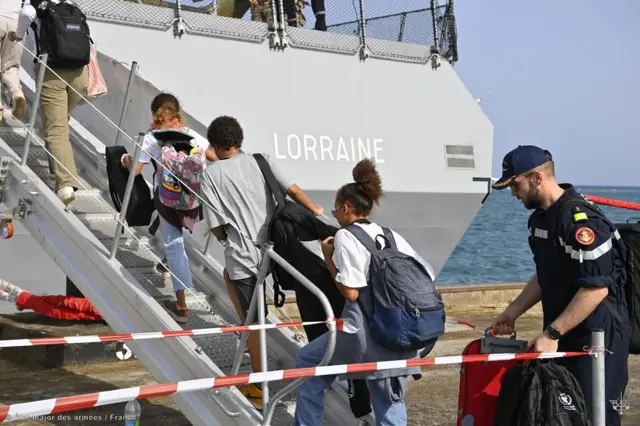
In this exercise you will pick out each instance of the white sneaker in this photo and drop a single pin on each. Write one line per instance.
(66, 194)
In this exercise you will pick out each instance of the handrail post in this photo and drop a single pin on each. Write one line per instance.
(207, 244)
(260, 300)
(434, 19)
(34, 108)
(363, 33)
(331, 340)
(125, 103)
(127, 194)
(598, 392)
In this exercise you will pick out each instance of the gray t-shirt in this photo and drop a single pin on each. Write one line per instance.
(241, 200)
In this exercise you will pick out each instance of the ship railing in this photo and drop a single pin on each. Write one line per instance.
(267, 249)
(411, 30)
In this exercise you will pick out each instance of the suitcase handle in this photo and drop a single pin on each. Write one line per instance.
(494, 345)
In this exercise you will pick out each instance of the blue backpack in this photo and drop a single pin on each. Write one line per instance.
(407, 311)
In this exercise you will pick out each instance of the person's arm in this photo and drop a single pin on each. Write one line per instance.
(25, 18)
(150, 149)
(346, 264)
(590, 246)
(212, 208)
(293, 190)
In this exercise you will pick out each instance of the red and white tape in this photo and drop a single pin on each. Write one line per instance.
(9, 413)
(101, 338)
(98, 338)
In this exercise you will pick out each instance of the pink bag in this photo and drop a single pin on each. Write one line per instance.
(97, 85)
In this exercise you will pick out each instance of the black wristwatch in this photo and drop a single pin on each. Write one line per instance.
(553, 333)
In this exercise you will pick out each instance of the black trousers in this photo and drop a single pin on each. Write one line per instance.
(616, 369)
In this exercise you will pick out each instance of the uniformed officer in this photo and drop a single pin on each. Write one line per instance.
(579, 262)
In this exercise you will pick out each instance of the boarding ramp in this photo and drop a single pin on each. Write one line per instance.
(127, 289)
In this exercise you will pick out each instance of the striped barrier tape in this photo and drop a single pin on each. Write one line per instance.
(98, 338)
(9, 413)
(101, 338)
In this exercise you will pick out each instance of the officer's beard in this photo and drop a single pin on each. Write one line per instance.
(533, 200)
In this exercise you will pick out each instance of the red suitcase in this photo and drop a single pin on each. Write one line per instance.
(480, 381)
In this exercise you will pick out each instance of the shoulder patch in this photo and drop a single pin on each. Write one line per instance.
(585, 236)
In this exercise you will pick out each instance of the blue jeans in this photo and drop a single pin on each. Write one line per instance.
(388, 410)
(176, 255)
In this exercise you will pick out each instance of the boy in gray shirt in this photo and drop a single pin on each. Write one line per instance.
(242, 206)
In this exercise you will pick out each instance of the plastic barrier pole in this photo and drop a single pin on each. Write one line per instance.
(598, 383)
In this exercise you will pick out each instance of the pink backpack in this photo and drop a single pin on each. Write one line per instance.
(179, 176)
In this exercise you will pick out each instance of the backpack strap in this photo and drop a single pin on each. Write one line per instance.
(571, 202)
(364, 238)
(390, 238)
(272, 182)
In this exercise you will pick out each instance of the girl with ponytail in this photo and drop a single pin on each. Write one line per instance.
(167, 114)
(348, 262)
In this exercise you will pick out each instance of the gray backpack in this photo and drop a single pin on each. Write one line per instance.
(407, 312)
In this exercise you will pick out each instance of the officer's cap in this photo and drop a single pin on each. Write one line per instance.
(520, 160)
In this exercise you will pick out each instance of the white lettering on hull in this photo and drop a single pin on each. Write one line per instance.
(323, 148)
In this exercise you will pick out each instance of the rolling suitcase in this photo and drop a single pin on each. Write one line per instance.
(480, 381)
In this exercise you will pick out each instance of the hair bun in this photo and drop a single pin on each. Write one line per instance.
(368, 180)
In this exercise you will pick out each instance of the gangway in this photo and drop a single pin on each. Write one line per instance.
(128, 290)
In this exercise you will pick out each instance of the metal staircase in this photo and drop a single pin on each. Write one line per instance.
(128, 289)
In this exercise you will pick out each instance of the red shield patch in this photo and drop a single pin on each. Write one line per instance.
(585, 236)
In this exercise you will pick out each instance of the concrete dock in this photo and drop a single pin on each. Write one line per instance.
(30, 374)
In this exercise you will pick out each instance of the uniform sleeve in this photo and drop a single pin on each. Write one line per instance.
(590, 246)
(349, 261)
(150, 149)
(284, 180)
(25, 18)
(212, 207)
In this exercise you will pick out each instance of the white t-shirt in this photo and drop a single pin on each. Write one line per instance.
(151, 147)
(352, 259)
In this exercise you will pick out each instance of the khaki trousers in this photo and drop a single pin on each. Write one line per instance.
(10, 53)
(57, 101)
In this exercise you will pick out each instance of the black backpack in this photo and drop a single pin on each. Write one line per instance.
(141, 205)
(630, 235)
(64, 34)
(541, 392)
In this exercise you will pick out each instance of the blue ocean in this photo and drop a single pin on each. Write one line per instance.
(495, 250)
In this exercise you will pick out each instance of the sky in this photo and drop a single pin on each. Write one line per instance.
(563, 75)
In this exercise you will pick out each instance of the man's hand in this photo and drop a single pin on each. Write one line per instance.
(544, 343)
(11, 35)
(317, 209)
(126, 161)
(328, 247)
(505, 323)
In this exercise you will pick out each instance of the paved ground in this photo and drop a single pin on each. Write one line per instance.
(431, 401)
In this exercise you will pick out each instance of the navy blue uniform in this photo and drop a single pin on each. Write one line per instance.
(586, 254)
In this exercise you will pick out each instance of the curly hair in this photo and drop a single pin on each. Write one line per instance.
(166, 112)
(225, 132)
(366, 189)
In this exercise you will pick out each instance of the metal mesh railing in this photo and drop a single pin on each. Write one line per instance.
(411, 29)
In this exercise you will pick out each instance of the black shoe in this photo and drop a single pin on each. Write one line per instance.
(178, 314)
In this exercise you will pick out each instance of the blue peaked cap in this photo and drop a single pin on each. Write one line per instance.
(521, 160)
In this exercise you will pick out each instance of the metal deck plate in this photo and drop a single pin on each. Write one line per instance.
(91, 204)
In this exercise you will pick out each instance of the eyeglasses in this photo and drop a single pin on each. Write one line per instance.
(334, 211)
(514, 185)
